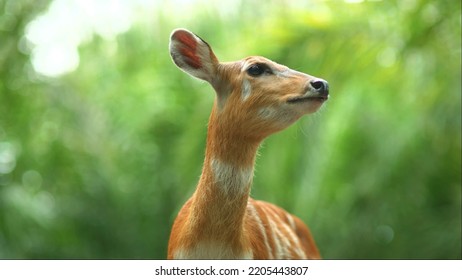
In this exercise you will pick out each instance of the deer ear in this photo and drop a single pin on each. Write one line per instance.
(193, 55)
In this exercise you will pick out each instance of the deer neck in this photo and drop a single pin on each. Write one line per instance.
(221, 197)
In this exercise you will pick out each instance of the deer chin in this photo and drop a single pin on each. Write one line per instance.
(306, 104)
(304, 99)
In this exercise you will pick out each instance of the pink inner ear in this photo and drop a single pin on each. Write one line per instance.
(188, 49)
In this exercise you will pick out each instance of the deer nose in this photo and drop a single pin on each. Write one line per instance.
(320, 86)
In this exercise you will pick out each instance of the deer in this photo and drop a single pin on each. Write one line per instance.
(254, 98)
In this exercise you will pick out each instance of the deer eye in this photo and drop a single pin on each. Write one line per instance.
(258, 70)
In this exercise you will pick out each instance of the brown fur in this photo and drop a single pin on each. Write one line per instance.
(220, 220)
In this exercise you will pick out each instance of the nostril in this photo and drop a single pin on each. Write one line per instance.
(317, 85)
(320, 86)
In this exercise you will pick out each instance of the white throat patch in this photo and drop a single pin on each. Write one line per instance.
(231, 178)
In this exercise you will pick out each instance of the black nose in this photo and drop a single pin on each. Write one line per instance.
(320, 86)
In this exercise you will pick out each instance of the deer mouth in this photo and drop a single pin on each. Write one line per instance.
(320, 98)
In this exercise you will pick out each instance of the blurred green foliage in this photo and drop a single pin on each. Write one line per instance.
(96, 163)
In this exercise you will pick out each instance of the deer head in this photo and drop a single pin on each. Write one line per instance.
(255, 96)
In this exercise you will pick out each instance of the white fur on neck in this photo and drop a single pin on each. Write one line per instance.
(231, 178)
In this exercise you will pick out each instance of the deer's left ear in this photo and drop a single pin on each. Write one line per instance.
(193, 55)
